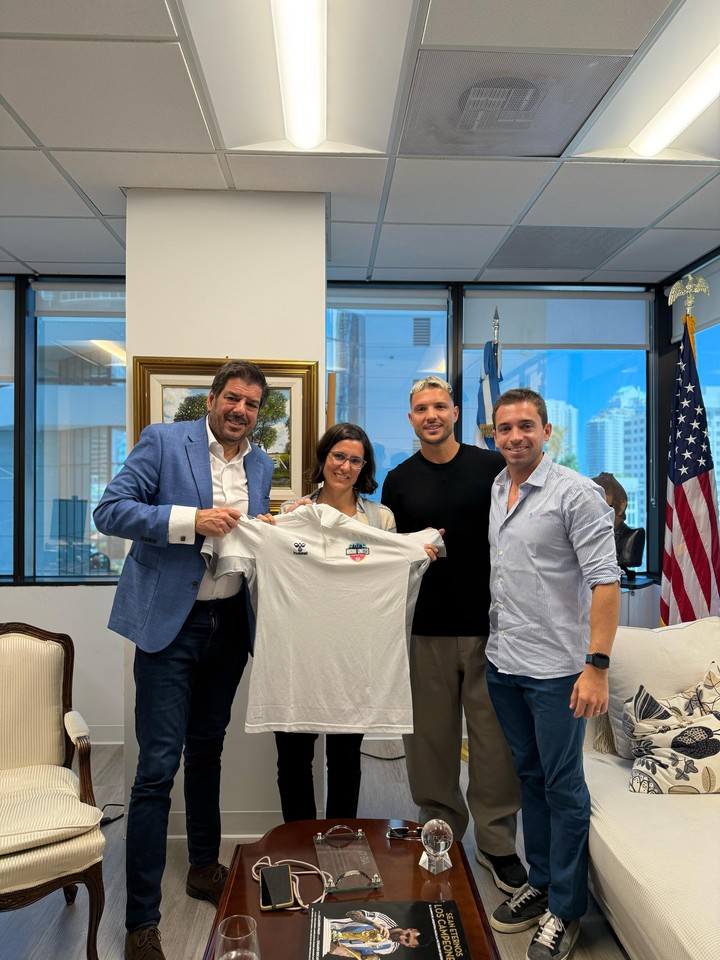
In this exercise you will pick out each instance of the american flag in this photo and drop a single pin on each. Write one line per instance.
(691, 560)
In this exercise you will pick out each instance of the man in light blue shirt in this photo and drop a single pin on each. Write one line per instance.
(555, 603)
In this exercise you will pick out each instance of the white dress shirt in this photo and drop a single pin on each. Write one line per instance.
(230, 489)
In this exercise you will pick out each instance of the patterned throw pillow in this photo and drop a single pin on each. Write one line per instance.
(676, 741)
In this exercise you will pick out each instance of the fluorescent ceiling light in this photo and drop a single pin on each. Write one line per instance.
(301, 47)
(114, 349)
(694, 96)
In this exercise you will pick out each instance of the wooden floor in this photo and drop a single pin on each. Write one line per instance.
(51, 930)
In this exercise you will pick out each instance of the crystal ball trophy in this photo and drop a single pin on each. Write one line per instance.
(437, 838)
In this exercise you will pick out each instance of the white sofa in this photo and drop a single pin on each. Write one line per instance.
(654, 859)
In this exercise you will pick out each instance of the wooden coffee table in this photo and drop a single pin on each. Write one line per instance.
(283, 933)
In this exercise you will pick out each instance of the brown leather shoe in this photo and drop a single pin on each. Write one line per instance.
(206, 886)
(144, 944)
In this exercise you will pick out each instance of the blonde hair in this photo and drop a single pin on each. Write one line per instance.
(430, 383)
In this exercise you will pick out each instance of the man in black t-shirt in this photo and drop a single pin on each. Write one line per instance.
(446, 485)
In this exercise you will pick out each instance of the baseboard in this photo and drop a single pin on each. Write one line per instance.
(110, 734)
(239, 824)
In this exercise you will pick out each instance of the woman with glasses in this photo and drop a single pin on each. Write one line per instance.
(345, 466)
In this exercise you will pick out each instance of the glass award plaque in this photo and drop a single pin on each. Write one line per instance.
(346, 856)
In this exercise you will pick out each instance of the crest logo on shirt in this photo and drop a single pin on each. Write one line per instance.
(299, 549)
(357, 551)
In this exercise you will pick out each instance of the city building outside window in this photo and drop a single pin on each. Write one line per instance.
(80, 413)
(585, 352)
(378, 343)
(7, 425)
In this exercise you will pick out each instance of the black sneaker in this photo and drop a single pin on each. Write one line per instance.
(554, 938)
(508, 872)
(522, 911)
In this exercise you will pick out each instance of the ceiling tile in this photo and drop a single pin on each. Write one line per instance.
(12, 266)
(346, 273)
(354, 183)
(123, 96)
(435, 246)
(62, 239)
(38, 189)
(99, 18)
(350, 244)
(366, 51)
(553, 24)
(118, 224)
(102, 175)
(495, 103)
(119, 113)
(532, 275)
(462, 190)
(613, 194)
(11, 133)
(446, 275)
(559, 248)
(627, 276)
(665, 250)
(78, 269)
(701, 210)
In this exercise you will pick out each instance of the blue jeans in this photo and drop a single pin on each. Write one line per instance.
(183, 698)
(546, 745)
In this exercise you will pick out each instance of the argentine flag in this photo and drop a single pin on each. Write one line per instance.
(488, 392)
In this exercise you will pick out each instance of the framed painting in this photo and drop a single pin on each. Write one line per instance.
(167, 389)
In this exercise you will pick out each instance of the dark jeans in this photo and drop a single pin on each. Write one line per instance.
(546, 745)
(183, 697)
(295, 775)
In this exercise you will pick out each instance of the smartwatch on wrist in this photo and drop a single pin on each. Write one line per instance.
(600, 660)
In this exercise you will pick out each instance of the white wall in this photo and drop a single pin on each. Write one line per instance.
(82, 612)
(214, 275)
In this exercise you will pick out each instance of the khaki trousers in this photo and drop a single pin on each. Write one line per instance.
(447, 676)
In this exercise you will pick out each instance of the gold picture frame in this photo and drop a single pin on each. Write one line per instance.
(161, 384)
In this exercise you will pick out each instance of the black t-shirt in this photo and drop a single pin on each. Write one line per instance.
(455, 593)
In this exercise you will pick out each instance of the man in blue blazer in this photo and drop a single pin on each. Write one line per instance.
(181, 483)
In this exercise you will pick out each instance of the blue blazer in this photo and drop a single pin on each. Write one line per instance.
(169, 465)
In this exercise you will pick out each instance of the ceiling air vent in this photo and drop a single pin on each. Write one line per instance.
(503, 103)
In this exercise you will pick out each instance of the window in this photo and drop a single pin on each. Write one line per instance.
(585, 353)
(7, 423)
(707, 350)
(74, 412)
(379, 342)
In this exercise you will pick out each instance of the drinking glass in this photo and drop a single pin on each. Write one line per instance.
(237, 939)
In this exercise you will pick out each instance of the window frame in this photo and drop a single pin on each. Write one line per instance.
(660, 359)
(24, 448)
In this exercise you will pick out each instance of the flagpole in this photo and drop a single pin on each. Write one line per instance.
(690, 582)
(488, 387)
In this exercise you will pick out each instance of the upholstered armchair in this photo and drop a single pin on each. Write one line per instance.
(49, 825)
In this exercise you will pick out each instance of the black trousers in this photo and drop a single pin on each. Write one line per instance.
(295, 775)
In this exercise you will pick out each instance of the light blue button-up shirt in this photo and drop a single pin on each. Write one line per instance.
(546, 554)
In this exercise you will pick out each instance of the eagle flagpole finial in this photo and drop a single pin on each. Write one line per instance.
(688, 289)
